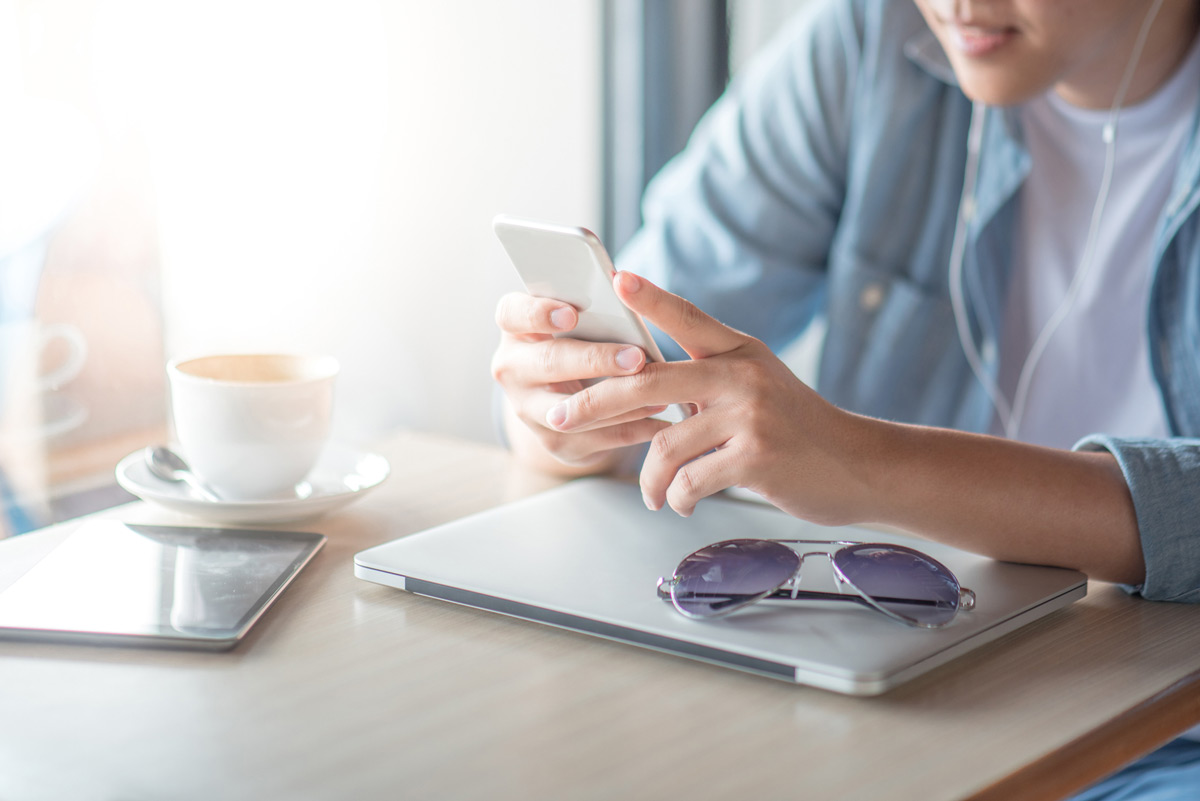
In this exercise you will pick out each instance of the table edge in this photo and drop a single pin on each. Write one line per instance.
(1105, 750)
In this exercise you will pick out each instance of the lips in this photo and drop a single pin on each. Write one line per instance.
(978, 40)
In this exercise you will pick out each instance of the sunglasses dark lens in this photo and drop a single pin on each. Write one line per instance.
(909, 584)
(726, 575)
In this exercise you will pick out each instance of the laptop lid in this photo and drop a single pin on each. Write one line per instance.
(587, 556)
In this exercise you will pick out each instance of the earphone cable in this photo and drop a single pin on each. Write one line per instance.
(1010, 418)
(1088, 260)
(958, 303)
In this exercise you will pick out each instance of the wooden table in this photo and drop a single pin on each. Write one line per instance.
(350, 690)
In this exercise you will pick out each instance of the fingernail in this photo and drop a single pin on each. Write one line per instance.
(629, 358)
(560, 318)
(649, 504)
(630, 282)
(557, 415)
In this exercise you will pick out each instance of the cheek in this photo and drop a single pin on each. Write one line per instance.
(932, 10)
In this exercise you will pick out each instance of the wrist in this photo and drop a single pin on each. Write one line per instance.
(882, 469)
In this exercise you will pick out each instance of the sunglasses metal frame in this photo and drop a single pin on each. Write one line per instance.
(790, 588)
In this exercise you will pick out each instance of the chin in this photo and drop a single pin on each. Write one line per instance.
(996, 98)
(998, 91)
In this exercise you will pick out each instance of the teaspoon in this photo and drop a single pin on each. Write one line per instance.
(164, 463)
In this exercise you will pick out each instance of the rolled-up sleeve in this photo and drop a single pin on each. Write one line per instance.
(1164, 479)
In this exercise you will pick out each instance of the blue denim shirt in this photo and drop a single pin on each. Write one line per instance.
(826, 183)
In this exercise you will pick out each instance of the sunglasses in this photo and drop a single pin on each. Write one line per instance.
(904, 584)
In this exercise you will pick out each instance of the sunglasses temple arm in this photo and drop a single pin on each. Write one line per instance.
(811, 595)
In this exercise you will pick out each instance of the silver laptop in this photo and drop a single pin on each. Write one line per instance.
(587, 556)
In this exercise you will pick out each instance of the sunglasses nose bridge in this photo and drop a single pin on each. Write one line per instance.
(795, 579)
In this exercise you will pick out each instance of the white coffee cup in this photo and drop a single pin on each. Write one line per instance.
(252, 426)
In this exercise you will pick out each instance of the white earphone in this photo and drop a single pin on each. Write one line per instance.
(1011, 415)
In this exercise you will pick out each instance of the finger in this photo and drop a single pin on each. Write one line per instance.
(579, 448)
(671, 450)
(656, 384)
(556, 411)
(523, 315)
(553, 361)
(702, 477)
(534, 406)
(697, 333)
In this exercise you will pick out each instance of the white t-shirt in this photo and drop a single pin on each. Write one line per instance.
(1094, 376)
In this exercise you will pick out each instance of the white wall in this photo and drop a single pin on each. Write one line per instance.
(326, 173)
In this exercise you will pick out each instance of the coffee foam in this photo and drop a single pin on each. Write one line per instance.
(255, 368)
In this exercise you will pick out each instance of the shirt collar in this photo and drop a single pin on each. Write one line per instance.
(924, 50)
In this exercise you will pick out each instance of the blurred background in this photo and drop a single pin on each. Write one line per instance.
(180, 177)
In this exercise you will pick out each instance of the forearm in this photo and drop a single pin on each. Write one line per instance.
(1006, 499)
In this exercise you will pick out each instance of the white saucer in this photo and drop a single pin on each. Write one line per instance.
(340, 477)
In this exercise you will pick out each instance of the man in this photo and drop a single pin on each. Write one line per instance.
(993, 206)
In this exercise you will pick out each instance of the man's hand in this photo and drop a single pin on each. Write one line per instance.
(756, 425)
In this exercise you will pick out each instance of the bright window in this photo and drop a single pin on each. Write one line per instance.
(203, 175)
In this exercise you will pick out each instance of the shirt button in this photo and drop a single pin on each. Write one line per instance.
(968, 208)
(988, 351)
(871, 297)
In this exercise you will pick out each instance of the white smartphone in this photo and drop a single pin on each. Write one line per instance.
(570, 264)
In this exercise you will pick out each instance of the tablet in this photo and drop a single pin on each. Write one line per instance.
(169, 586)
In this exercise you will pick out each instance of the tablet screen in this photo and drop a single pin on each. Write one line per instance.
(112, 582)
